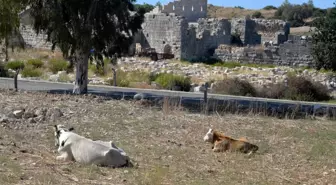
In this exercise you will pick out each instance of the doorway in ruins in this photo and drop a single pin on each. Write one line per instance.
(167, 52)
(167, 49)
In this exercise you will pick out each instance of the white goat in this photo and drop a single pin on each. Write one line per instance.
(74, 147)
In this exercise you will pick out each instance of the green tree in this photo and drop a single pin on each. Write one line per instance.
(311, 3)
(146, 7)
(87, 28)
(9, 20)
(324, 41)
(159, 4)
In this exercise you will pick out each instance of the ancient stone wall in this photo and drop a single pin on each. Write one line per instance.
(256, 31)
(162, 32)
(32, 40)
(202, 38)
(191, 10)
(270, 29)
(294, 52)
(28, 35)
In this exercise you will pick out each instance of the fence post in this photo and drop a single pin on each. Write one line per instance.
(114, 77)
(206, 85)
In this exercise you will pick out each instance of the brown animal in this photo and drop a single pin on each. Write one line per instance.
(222, 143)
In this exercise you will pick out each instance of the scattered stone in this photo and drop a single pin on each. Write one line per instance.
(31, 120)
(18, 113)
(28, 115)
(54, 113)
(4, 119)
(138, 96)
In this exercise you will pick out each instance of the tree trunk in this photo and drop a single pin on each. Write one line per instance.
(82, 63)
(6, 49)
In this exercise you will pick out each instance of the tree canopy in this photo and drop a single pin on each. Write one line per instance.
(9, 19)
(324, 41)
(296, 14)
(78, 26)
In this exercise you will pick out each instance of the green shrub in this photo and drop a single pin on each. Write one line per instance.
(237, 64)
(168, 81)
(234, 86)
(228, 64)
(56, 65)
(257, 14)
(270, 7)
(15, 65)
(29, 71)
(100, 70)
(36, 63)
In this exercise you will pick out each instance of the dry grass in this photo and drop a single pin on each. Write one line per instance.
(26, 54)
(166, 144)
(303, 30)
(230, 12)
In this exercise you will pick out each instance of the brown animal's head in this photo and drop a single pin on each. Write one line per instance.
(58, 129)
(209, 136)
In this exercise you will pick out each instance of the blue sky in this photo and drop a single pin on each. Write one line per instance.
(252, 4)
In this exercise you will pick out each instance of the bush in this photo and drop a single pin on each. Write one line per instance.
(101, 70)
(56, 65)
(36, 63)
(257, 14)
(234, 86)
(169, 81)
(15, 65)
(270, 7)
(29, 71)
(298, 88)
(125, 78)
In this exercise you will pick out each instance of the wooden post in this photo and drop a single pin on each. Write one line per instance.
(114, 77)
(15, 79)
(206, 85)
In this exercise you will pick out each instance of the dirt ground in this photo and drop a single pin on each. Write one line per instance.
(165, 145)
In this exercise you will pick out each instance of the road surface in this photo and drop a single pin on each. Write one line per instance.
(34, 85)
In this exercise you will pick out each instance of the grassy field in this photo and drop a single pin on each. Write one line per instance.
(165, 144)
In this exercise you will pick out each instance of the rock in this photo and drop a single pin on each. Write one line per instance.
(31, 120)
(40, 112)
(18, 113)
(138, 96)
(39, 118)
(4, 119)
(53, 78)
(200, 88)
(27, 115)
(54, 113)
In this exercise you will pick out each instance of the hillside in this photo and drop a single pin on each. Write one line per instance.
(231, 12)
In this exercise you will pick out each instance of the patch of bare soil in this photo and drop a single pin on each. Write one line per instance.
(166, 145)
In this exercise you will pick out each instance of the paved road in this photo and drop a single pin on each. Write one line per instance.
(33, 85)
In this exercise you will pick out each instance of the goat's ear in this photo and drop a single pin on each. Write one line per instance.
(55, 128)
(71, 129)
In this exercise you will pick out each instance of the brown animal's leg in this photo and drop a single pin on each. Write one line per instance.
(221, 146)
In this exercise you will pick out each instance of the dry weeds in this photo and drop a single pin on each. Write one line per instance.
(166, 145)
(230, 12)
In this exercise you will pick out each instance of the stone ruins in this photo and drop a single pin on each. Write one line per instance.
(181, 28)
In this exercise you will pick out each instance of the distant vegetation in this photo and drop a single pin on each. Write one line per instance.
(297, 14)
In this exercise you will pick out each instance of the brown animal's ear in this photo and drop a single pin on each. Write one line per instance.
(71, 129)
